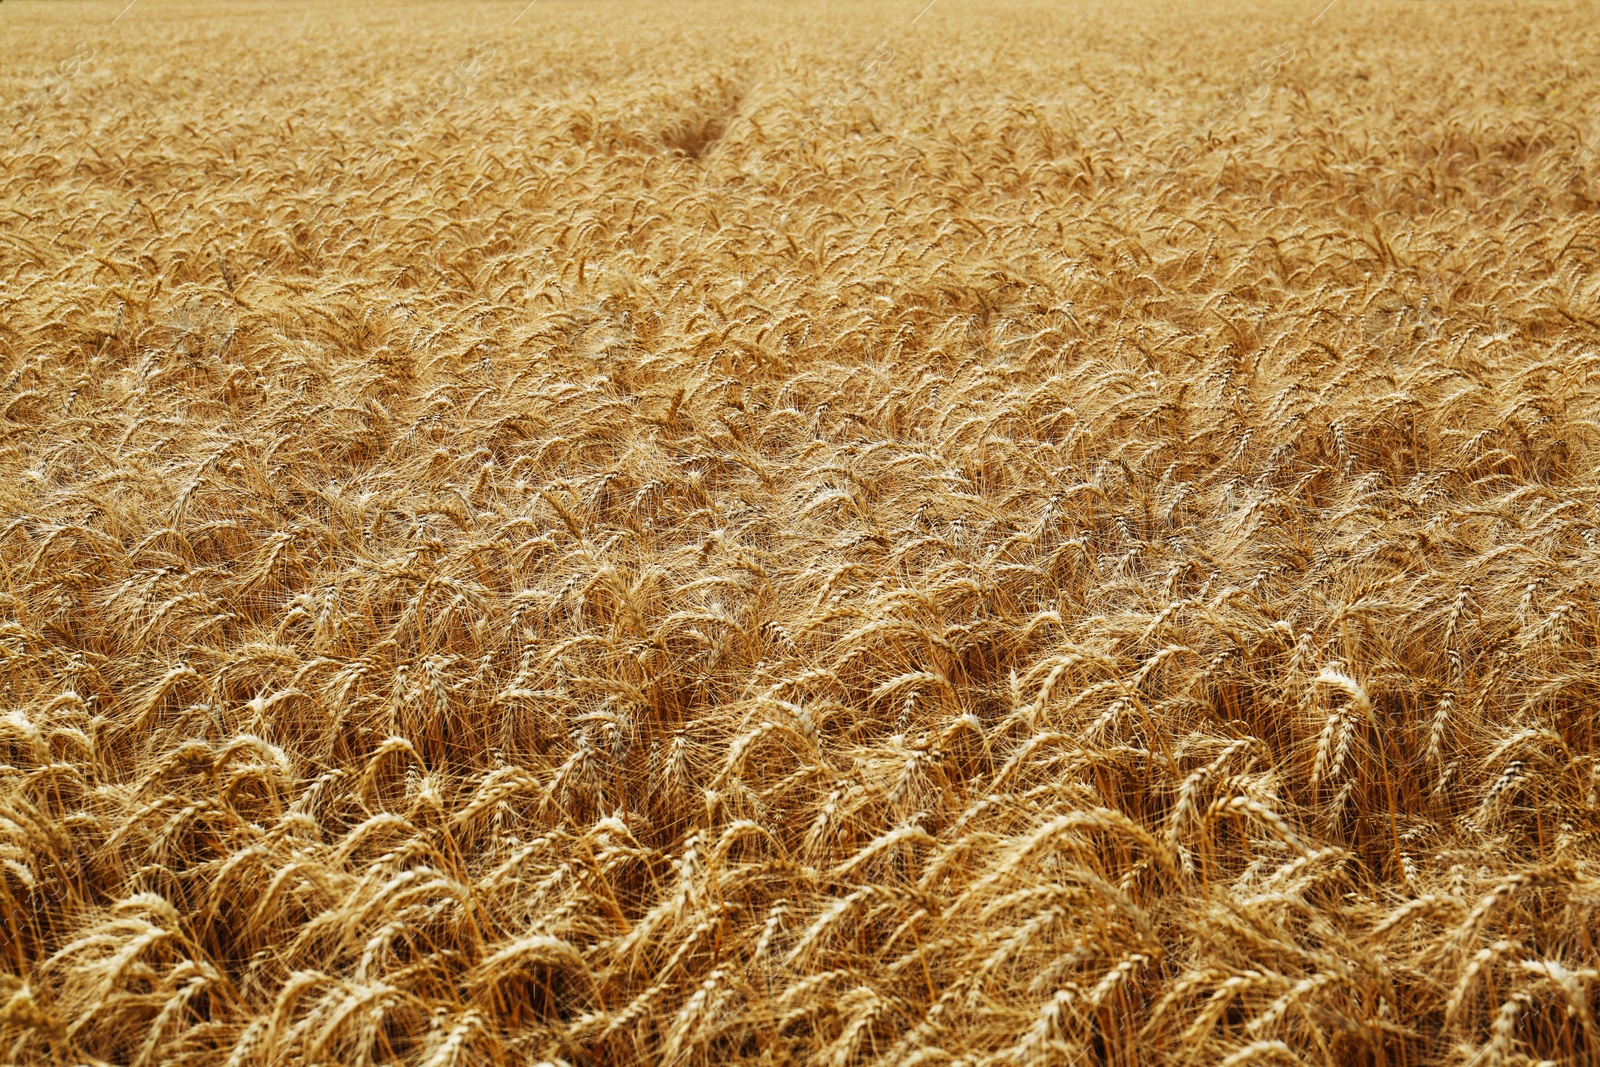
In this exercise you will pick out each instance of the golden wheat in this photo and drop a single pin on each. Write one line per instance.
(607, 533)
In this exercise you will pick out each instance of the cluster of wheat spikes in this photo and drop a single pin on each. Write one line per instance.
(596, 558)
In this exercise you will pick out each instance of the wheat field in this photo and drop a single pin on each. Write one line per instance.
(702, 532)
